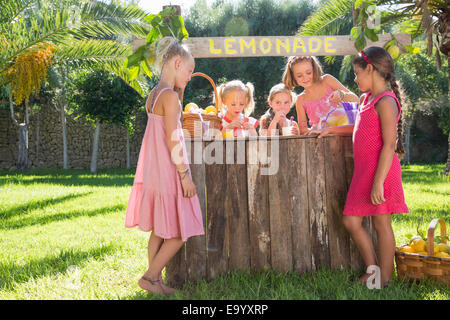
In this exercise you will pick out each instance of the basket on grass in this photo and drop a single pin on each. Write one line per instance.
(196, 124)
(414, 266)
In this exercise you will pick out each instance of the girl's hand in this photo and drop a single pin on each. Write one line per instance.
(280, 115)
(189, 189)
(247, 126)
(377, 194)
(336, 96)
(236, 123)
(320, 132)
(295, 129)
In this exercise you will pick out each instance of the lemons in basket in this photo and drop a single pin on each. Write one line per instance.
(407, 249)
(190, 107)
(211, 110)
(423, 253)
(444, 248)
(414, 238)
(442, 255)
(418, 245)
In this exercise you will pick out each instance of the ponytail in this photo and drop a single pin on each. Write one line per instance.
(399, 149)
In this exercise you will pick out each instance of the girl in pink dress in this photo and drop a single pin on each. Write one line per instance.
(163, 198)
(237, 97)
(376, 189)
(306, 72)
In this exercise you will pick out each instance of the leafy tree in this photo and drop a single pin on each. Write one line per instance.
(102, 98)
(249, 17)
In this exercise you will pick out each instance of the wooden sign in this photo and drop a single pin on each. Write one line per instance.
(234, 47)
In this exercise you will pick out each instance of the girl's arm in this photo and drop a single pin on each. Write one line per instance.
(342, 93)
(387, 111)
(344, 130)
(301, 116)
(171, 107)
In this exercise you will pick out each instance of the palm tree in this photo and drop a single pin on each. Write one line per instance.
(432, 16)
(76, 30)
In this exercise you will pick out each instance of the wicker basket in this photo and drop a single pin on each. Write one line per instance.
(194, 123)
(413, 267)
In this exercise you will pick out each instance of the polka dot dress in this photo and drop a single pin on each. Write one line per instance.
(367, 145)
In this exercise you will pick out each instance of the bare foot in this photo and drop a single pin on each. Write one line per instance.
(168, 290)
(147, 285)
(364, 277)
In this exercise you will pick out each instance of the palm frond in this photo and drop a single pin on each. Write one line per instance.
(11, 9)
(97, 54)
(98, 19)
(332, 17)
(51, 26)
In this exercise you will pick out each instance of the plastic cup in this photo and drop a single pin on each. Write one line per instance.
(287, 131)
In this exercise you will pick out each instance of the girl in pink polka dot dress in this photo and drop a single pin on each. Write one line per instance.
(376, 188)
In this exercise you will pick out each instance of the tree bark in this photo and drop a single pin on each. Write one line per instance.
(95, 148)
(22, 161)
(62, 109)
(37, 138)
(128, 150)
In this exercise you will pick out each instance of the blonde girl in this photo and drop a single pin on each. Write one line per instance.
(236, 98)
(163, 198)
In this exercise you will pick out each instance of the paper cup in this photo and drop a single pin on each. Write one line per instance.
(287, 131)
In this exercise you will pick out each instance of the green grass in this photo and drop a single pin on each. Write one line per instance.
(62, 236)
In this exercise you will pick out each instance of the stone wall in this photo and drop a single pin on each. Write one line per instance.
(428, 143)
(47, 150)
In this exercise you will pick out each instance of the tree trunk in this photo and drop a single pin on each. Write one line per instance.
(22, 161)
(95, 148)
(64, 134)
(23, 142)
(128, 150)
(37, 138)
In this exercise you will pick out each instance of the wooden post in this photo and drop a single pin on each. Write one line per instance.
(298, 203)
(236, 206)
(317, 199)
(280, 215)
(258, 208)
(196, 246)
(218, 221)
(336, 189)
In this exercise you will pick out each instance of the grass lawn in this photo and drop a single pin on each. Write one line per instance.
(62, 236)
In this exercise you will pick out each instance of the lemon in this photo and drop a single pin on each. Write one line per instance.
(423, 253)
(414, 238)
(442, 255)
(394, 51)
(418, 245)
(407, 249)
(190, 107)
(211, 109)
(444, 248)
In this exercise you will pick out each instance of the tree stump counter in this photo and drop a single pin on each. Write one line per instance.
(269, 203)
